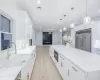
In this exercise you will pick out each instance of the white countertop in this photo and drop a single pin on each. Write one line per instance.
(12, 67)
(84, 60)
(9, 73)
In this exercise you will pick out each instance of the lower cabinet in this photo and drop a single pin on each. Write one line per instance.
(69, 71)
(27, 69)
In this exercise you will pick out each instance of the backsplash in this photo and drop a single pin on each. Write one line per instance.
(21, 44)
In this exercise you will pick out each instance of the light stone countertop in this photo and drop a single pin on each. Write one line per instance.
(10, 70)
(86, 61)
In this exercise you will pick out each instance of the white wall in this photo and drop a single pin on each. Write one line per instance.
(57, 38)
(33, 37)
(10, 8)
(39, 38)
(95, 26)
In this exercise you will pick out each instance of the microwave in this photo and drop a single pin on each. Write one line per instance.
(56, 55)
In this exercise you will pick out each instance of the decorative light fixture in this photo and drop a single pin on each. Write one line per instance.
(64, 28)
(60, 30)
(87, 19)
(38, 2)
(72, 25)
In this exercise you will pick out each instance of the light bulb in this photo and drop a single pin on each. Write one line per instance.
(60, 30)
(72, 25)
(87, 20)
(38, 2)
(64, 28)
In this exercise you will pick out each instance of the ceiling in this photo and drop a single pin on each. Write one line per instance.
(48, 17)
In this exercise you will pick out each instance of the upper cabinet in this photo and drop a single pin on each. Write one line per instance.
(28, 27)
(5, 24)
(24, 26)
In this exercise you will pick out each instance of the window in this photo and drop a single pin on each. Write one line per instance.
(6, 35)
(5, 24)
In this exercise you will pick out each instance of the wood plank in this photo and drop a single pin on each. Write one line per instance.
(44, 68)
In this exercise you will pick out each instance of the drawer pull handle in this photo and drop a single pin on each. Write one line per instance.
(74, 69)
(61, 64)
(27, 76)
(68, 72)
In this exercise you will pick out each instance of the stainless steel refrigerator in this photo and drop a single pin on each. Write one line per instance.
(83, 40)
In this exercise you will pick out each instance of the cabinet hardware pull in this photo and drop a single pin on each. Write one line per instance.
(32, 55)
(68, 72)
(74, 69)
(61, 64)
(27, 76)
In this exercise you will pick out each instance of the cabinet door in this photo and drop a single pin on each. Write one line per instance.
(24, 73)
(64, 67)
(31, 64)
(76, 74)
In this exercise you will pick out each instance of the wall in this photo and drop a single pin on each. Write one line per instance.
(33, 37)
(19, 32)
(95, 26)
(57, 38)
(39, 38)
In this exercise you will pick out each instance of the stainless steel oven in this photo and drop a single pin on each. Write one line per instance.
(56, 55)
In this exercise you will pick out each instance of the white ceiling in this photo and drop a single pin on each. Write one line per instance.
(48, 18)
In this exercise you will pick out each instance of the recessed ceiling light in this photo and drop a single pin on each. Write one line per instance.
(39, 8)
(60, 30)
(72, 8)
(64, 28)
(38, 2)
(64, 15)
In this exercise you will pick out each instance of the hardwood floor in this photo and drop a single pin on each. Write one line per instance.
(44, 68)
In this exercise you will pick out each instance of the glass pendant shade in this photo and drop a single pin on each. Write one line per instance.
(87, 20)
(72, 25)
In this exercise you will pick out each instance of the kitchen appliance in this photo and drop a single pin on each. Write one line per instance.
(56, 55)
(83, 40)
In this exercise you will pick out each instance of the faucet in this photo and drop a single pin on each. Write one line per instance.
(9, 54)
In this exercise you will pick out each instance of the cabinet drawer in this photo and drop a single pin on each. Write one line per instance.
(76, 73)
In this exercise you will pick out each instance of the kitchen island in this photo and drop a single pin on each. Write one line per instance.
(75, 64)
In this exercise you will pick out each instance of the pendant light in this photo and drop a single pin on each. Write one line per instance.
(72, 26)
(60, 30)
(87, 18)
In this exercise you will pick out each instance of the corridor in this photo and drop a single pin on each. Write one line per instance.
(44, 68)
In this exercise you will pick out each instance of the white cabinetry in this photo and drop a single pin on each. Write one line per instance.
(69, 70)
(27, 69)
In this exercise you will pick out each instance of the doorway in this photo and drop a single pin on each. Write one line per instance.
(47, 38)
